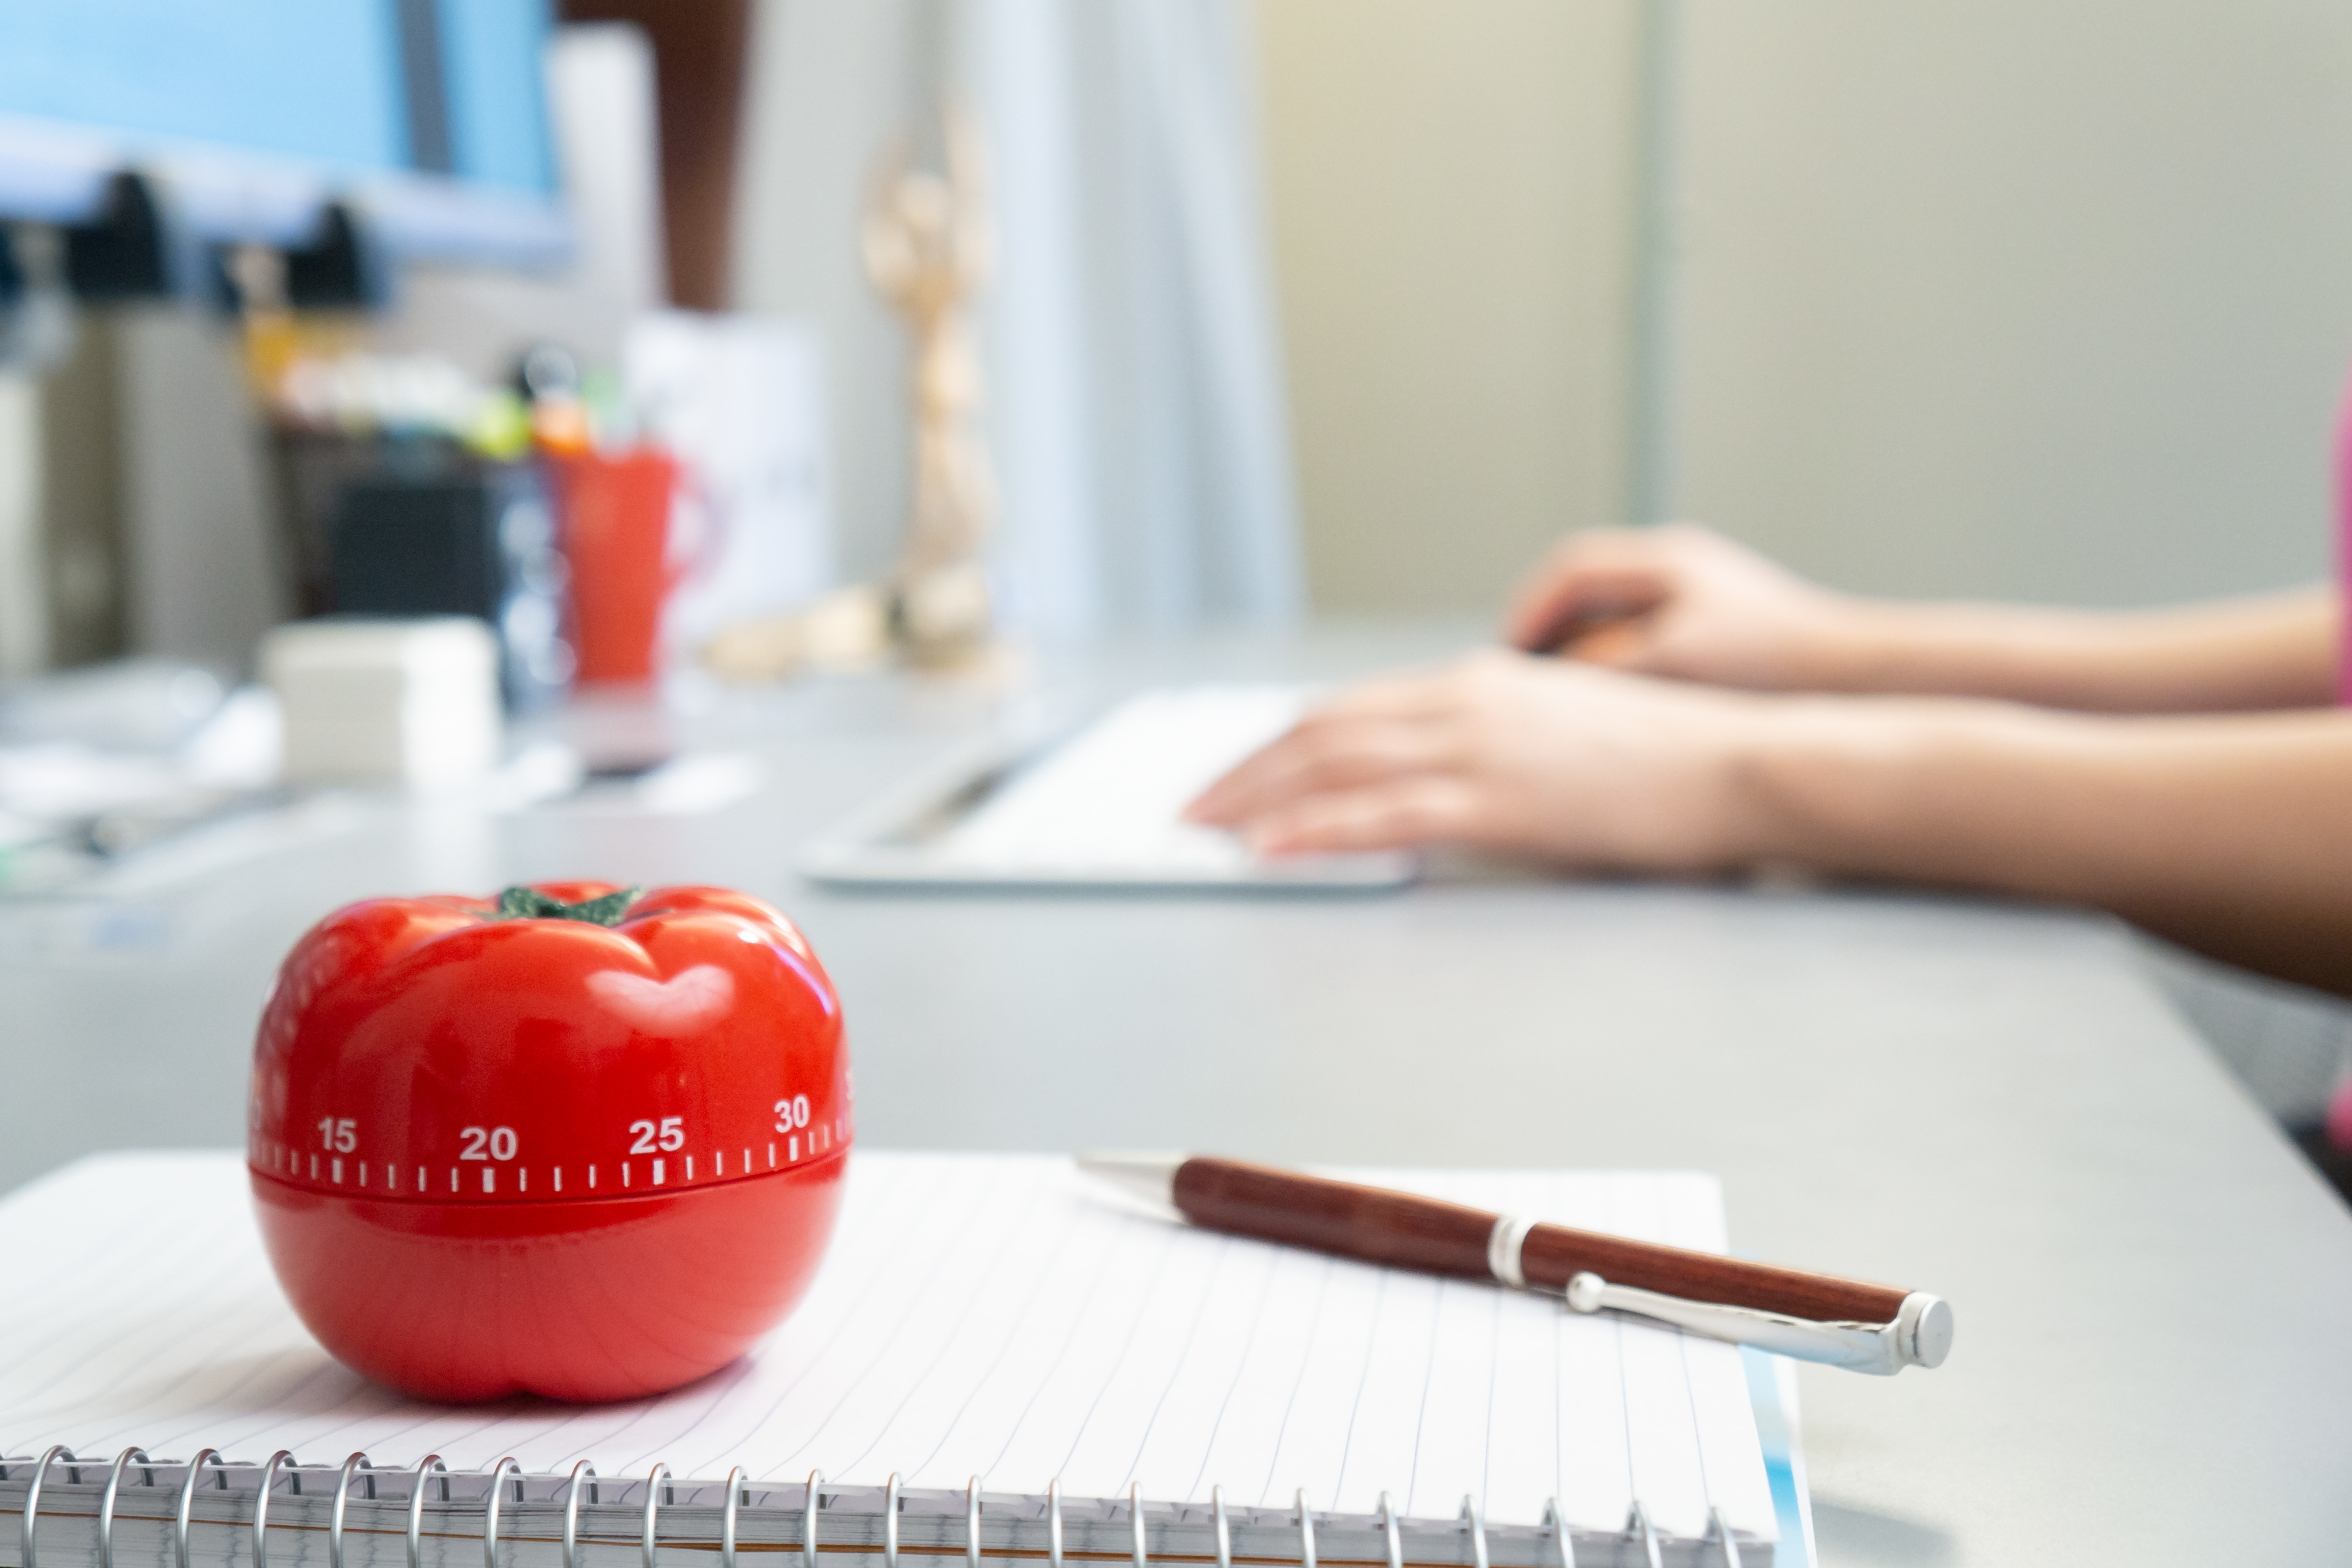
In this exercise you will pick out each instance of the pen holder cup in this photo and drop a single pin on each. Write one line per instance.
(614, 514)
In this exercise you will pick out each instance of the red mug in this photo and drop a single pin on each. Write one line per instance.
(612, 513)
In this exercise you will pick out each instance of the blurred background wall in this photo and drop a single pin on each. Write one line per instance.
(1450, 188)
(1982, 298)
(1990, 299)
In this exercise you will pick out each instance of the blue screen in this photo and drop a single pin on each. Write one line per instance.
(497, 104)
(320, 80)
(313, 79)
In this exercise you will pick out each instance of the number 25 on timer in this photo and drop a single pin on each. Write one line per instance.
(652, 1137)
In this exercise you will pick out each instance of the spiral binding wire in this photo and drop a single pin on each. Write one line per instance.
(1395, 1540)
(27, 1528)
(1638, 1535)
(1718, 1529)
(1555, 1525)
(1477, 1520)
(352, 1467)
(1637, 1527)
(261, 1506)
(727, 1519)
(490, 1508)
(187, 1501)
(415, 1510)
(113, 1490)
(655, 1483)
(583, 1471)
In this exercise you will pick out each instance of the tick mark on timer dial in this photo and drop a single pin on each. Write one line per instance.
(495, 1147)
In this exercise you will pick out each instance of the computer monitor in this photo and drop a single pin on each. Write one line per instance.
(426, 116)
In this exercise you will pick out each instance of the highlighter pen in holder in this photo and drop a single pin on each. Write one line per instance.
(1810, 1317)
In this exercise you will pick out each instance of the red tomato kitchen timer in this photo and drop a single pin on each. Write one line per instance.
(576, 1141)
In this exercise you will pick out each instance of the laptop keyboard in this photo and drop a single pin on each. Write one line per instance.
(1106, 803)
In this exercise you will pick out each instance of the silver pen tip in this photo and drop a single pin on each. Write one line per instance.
(1151, 1177)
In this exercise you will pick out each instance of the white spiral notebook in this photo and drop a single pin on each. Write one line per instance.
(998, 1361)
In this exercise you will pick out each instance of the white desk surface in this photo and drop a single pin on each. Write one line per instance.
(2154, 1294)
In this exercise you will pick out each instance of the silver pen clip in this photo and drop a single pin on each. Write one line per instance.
(1920, 1335)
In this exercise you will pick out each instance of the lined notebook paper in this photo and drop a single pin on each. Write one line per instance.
(985, 1316)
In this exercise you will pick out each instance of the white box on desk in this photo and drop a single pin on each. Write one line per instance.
(385, 700)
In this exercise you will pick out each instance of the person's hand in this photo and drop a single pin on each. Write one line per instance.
(1582, 767)
(1683, 602)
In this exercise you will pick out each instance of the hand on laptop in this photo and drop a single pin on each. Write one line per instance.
(2185, 769)
(1685, 602)
(1584, 766)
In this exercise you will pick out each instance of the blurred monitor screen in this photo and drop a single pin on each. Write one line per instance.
(437, 86)
(356, 92)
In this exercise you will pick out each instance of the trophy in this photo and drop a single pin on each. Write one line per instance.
(928, 246)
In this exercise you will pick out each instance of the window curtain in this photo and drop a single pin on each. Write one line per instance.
(1135, 411)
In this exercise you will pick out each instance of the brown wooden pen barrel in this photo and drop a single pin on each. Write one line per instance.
(1334, 1216)
(1554, 1255)
(1408, 1232)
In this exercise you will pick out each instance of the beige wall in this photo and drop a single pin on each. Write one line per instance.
(1977, 298)
(2011, 298)
(1448, 181)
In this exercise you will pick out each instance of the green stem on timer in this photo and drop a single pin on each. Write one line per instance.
(531, 904)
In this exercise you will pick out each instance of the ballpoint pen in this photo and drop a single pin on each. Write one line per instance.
(1812, 1317)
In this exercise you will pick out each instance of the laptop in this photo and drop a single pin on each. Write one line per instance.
(1093, 808)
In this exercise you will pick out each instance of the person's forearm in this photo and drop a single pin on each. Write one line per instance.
(2232, 835)
(2274, 652)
